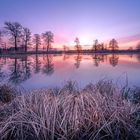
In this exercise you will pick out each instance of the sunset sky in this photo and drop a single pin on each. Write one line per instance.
(86, 19)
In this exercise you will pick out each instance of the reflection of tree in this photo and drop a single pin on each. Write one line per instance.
(15, 73)
(27, 70)
(78, 59)
(66, 57)
(138, 57)
(48, 67)
(97, 58)
(19, 71)
(114, 60)
(37, 66)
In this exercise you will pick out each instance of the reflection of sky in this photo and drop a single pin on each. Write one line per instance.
(88, 72)
(65, 69)
(87, 19)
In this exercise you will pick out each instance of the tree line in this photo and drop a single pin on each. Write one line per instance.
(113, 45)
(22, 39)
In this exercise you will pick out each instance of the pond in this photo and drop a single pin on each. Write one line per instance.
(48, 71)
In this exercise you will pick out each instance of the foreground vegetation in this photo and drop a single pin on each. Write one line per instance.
(99, 111)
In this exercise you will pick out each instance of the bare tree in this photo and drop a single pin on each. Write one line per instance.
(2, 42)
(26, 37)
(37, 41)
(48, 39)
(102, 46)
(77, 46)
(14, 29)
(95, 45)
(113, 44)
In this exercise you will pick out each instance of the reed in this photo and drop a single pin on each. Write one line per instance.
(99, 111)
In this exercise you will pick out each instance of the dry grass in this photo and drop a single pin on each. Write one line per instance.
(7, 93)
(96, 112)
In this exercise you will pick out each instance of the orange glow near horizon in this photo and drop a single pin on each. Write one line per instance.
(87, 41)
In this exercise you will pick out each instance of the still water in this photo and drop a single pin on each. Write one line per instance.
(46, 71)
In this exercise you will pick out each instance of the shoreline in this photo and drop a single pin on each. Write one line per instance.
(71, 52)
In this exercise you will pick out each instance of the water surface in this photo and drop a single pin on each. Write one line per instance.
(41, 71)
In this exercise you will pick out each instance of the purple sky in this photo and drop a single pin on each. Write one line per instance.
(67, 19)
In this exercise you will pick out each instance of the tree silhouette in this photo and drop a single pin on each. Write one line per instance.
(48, 39)
(77, 46)
(113, 44)
(2, 43)
(14, 29)
(37, 41)
(102, 46)
(95, 45)
(26, 37)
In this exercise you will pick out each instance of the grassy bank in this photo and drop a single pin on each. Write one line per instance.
(99, 111)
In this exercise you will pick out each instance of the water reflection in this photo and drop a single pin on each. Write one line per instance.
(48, 67)
(78, 59)
(114, 60)
(37, 64)
(18, 69)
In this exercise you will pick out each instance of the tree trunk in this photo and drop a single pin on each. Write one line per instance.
(36, 48)
(15, 65)
(15, 43)
(48, 45)
(25, 46)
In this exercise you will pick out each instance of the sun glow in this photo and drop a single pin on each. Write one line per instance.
(85, 41)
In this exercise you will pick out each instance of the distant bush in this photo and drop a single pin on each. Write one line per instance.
(99, 111)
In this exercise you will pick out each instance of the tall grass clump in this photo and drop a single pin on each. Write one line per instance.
(7, 93)
(96, 112)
